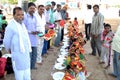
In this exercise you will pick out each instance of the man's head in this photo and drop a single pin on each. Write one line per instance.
(41, 9)
(1, 11)
(48, 5)
(53, 4)
(31, 8)
(4, 18)
(89, 6)
(65, 7)
(75, 18)
(18, 14)
(72, 56)
(96, 8)
(58, 7)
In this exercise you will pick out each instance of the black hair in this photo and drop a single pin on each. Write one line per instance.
(16, 8)
(89, 6)
(104, 24)
(96, 6)
(0, 11)
(0, 54)
(4, 17)
(107, 25)
(72, 55)
(40, 6)
(58, 5)
(68, 67)
(75, 18)
(75, 66)
(4, 26)
(31, 4)
(53, 3)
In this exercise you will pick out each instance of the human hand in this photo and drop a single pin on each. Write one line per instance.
(119, 57)
(37, 32)
(33, 32)
(95, 36)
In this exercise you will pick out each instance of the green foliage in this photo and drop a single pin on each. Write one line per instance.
(13, 1)
(32, 0)
(118, 6)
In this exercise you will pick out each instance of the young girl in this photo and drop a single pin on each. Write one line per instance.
(106, 38)
(75, 22)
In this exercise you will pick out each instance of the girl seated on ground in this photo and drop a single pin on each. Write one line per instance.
(5, 66)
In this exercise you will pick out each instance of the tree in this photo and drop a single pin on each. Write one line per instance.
(13, 1)
(32, 0)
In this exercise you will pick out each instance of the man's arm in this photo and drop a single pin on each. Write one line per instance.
(100, 24)
(8, 38)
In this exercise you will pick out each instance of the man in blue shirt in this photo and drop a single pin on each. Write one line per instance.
(30, 23)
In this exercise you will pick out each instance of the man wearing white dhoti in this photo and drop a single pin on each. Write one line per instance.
(16, 42)
(41, 22)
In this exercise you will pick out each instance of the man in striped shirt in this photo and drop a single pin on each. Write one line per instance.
(96, 30)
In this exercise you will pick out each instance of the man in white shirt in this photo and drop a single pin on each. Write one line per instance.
(41, 28)
(47, 18)
(116, 49)
(87, 21)
(17, 42)
(57, 18)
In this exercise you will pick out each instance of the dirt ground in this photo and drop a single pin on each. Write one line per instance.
(45, 70)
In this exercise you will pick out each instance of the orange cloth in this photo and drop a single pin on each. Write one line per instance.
(68, 76)
(78, 64)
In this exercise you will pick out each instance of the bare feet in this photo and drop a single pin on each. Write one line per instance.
(107, 66)
(39, 63)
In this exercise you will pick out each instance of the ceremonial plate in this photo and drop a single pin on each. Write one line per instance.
(59, 66)
(62, 56)
(61, 60)
(64, 53)
(40, 34)
(62, 49)
(58, 75)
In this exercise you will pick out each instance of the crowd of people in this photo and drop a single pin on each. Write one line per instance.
(26, 38)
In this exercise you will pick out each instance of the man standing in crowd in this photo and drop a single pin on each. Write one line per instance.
(16, 42)
(57, 18)
(96, 30)
(1, 15)
(52, 21)
(87, 21)
(41, 28)
(47, 18)
(116, 57)
(51, 12)
(64, 17)
(30, 23)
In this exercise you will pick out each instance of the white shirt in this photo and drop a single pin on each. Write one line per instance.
(41, 23)
(57, 15)
(12, 41)
(116, 41)
(88, 16)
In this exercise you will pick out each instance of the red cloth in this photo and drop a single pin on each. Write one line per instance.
(75, 22)
(2, 66)
(62, 22)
